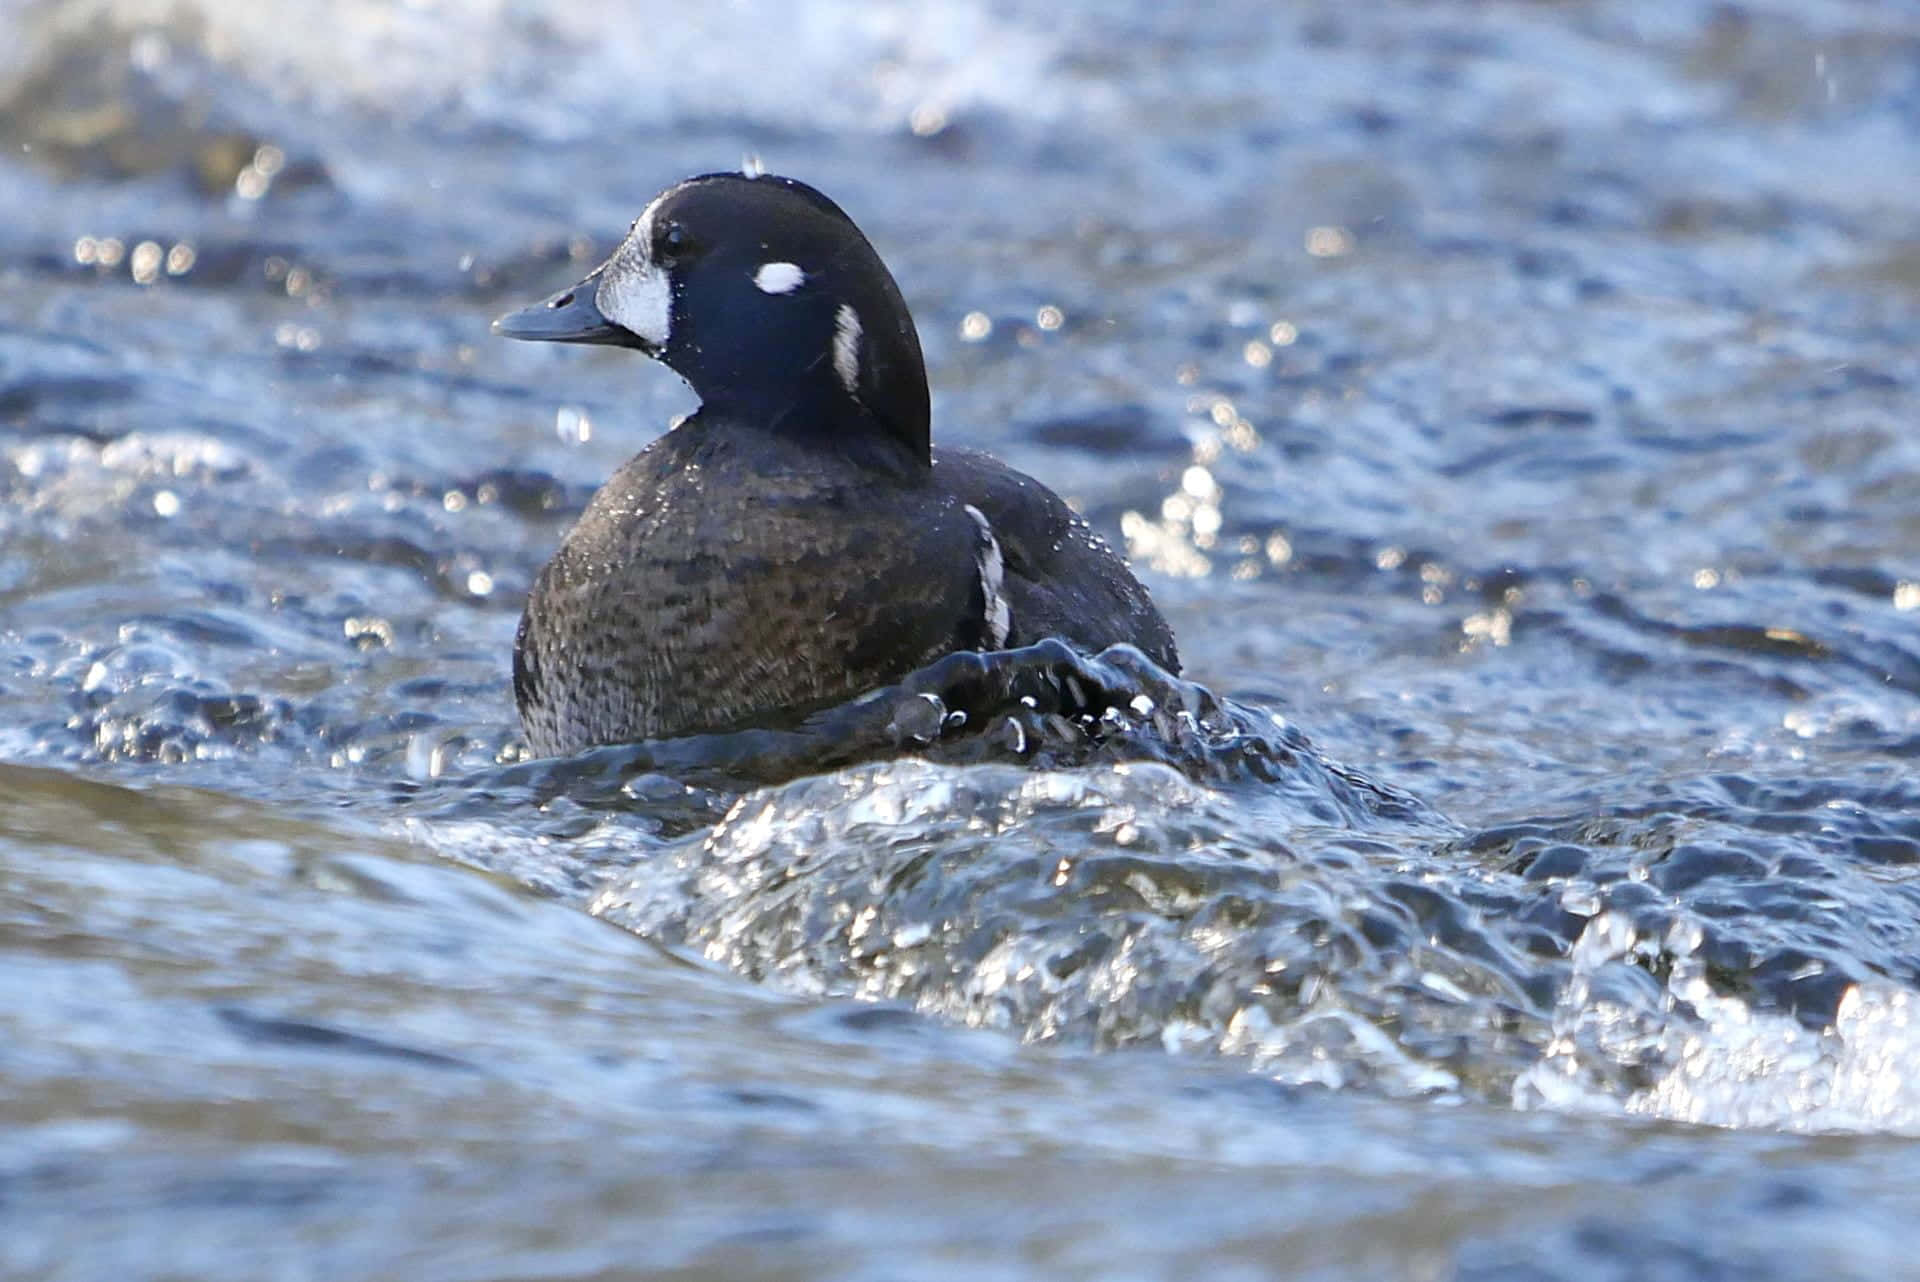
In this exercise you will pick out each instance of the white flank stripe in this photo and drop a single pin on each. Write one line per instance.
(992, 567)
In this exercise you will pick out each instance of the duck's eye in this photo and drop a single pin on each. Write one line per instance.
(672, 245)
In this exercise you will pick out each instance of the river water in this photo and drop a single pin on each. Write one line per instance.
(1512, 406)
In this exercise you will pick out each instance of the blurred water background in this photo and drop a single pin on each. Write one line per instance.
(1512, 405)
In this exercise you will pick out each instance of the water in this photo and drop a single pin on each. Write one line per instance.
(1511, 407)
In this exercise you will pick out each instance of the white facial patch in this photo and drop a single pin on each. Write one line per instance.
(846, 349)
(993, 577)
(634, 293)
(778, 278)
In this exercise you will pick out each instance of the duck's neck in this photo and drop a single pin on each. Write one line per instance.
(836, 429)
(865, 375)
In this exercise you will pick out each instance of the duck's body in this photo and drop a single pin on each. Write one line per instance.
(796, 542)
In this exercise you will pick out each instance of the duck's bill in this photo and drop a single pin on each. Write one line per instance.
(570, 316)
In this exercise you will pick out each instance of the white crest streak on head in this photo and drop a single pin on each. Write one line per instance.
(993, 577)
(633, 293)
(778, 278)
(846, 348)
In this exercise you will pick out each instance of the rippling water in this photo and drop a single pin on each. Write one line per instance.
(1511, 406)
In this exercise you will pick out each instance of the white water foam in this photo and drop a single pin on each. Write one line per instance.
(1717, 1061)
(585, 69)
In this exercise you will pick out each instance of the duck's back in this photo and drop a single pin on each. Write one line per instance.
(1062, 580)
(727, 578)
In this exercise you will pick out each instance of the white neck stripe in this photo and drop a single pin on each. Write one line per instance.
(846, 348)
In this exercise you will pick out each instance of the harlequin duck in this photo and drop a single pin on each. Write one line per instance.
(796, 542)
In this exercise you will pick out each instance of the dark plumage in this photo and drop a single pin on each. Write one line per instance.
(795, 542)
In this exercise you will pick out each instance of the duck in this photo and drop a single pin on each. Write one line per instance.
(796, 541)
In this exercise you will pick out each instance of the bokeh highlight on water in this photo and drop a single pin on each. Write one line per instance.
(1511, 406)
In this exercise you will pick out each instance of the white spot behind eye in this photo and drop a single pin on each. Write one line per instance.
(992, 568)
(633, 292)
(778, 278)
(846, 347)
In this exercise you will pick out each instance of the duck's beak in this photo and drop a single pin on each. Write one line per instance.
(570, 316)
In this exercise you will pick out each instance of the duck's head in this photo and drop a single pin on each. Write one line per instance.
(765, 297)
